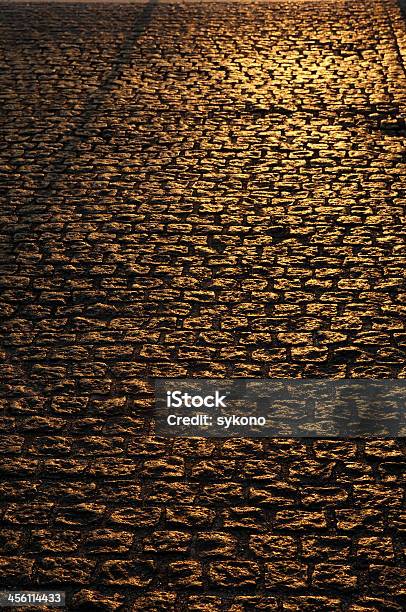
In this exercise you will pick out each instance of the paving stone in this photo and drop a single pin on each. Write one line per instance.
(233, 574)
(311, 604)
(332, 576)
(15, 569)
(156, 601)
(216, 545)
(167, 542)
(58, 571)
(273, 546)
(198, 189)
(185, 574)
(133, 573)
(87, 599)
(376, 548)
(204, 603)
(279, 575)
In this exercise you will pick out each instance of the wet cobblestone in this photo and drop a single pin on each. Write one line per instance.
(198, 189)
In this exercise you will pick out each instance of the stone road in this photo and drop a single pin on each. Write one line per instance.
(201, 189)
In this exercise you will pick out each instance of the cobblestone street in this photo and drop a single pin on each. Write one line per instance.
(198, 189)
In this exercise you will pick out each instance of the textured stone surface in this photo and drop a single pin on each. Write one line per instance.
(200, 189)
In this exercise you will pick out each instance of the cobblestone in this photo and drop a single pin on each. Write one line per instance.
(198, 189)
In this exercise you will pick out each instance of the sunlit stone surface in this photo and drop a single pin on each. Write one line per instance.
(209, 189)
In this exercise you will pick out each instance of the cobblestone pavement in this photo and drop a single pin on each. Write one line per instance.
(203, 190)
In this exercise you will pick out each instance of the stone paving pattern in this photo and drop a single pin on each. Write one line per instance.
(199, 190)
